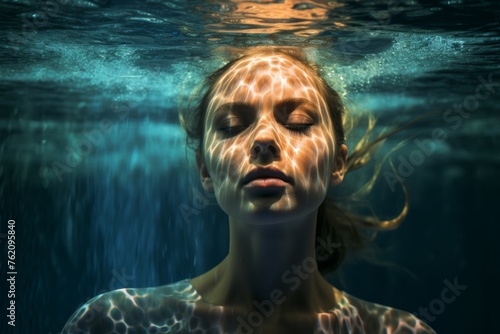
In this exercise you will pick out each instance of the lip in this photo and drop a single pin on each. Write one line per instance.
(266, 177)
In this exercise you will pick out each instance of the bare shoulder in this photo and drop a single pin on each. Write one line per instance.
(376, 318)
(122, 310)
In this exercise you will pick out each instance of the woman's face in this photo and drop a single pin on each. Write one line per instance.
(266, 112)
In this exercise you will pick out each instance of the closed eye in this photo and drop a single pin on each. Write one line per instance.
(231, 131)
(297, 114)
(299, 122)
(295, 128)
(298, 127)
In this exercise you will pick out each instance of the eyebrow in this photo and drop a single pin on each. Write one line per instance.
(234, 106)
(291, 103)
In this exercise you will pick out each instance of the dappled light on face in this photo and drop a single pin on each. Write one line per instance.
(267, 112)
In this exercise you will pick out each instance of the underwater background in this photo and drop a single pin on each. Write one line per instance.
(93, 164)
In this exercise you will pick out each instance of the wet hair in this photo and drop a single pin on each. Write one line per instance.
(335, 224)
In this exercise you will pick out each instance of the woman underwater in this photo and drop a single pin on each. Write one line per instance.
(269, 141)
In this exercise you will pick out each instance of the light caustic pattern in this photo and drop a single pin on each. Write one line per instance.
(179, 308)
(267, 111)
(264, 111)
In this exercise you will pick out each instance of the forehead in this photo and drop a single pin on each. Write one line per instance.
(264, 76)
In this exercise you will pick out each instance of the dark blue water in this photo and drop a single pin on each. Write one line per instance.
(93, 167)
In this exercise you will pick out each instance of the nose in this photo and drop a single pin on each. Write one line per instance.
(265, 144)
(265, 148)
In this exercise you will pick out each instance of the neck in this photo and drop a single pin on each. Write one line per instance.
(271, 262)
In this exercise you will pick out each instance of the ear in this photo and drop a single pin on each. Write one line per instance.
(206, 180)
(340, 166)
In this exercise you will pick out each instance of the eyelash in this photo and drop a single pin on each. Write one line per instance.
(298, 127)
(293, 128)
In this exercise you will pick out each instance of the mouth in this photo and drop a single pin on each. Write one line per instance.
(266, 177)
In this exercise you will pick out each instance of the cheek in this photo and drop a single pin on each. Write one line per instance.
(224, 161)
(316, 158)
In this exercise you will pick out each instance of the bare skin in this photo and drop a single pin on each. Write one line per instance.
(271, 234)
(266, 111)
